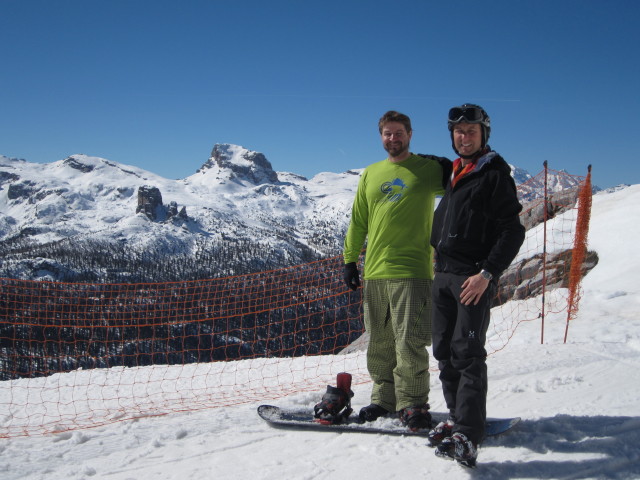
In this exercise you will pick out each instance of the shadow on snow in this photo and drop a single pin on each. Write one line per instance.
(611, 443)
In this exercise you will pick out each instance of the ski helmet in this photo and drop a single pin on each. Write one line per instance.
(470, 113)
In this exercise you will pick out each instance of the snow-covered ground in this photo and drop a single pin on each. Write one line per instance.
(579, 404)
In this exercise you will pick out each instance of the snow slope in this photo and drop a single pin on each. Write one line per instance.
(578, 401)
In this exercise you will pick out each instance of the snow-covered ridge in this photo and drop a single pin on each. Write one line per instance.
(235, 194)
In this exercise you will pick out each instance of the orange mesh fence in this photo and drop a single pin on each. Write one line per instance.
(81, 355)
(579, 250)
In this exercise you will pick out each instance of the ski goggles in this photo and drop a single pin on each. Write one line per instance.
(466, 114)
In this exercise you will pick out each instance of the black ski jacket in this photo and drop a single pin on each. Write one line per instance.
(476, 224)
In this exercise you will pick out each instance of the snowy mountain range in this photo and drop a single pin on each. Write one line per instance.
(86, 218)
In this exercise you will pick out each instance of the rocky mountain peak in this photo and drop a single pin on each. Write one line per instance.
(241, 164)
(149, 200)
(75, 162)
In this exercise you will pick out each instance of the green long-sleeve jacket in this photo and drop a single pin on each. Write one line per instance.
(393, 211)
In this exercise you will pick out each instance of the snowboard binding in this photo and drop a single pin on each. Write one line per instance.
(335, 406)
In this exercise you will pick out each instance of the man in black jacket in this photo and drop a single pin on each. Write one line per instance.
(476, 235)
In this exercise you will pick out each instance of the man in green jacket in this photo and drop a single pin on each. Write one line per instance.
(393, 211)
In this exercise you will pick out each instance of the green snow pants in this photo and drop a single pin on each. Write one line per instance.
(397, 316)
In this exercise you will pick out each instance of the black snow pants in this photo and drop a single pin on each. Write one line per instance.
(459, 335)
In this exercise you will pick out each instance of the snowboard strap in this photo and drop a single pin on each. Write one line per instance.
(335, 406)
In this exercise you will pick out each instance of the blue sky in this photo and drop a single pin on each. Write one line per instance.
(156, 84)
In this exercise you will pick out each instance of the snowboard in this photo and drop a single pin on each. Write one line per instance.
(300, 419)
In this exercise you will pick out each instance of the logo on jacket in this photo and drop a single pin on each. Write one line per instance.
(393, 190)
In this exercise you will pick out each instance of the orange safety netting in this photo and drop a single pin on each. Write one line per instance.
(579, 250)
(78, 355)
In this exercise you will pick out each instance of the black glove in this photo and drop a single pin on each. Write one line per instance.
(351, 276)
